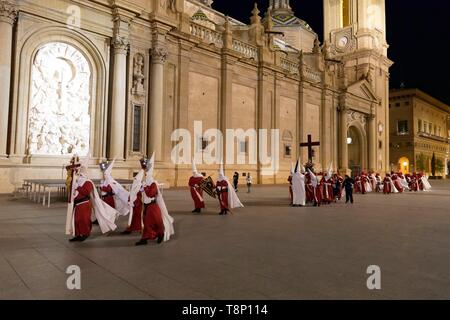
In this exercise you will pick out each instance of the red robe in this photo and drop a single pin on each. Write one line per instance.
(327, 190)
(387, 189)
(364, 180)
(136, 220)
(83, 210)
(108, 196)
(197, 192)
(358, 185)
(397, 183)
(153, 221)
(222, 191)
(310, 190)
(413, 185)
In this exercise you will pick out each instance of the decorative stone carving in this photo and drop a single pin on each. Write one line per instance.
(120, 44)
(8, 12)
(59, 120)
(138, 74)
(353, 116)
(159, 54)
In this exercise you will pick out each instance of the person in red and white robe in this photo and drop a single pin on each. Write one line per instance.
(290, 184)
(196, 190)
(397, 182)
(82, 210)
(158, 224)
(85, 200)
(228, 198)
(327, 189)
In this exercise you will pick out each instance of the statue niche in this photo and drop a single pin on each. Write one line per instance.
(138, 75)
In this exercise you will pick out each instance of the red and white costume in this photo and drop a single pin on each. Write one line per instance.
(196, 190)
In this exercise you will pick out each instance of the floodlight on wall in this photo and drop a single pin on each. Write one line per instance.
(405, 164)
(349, 140)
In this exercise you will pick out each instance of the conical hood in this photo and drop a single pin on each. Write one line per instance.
(108, 171)
(151, 166)
(292, 168)
(84, 165)
(297, 166)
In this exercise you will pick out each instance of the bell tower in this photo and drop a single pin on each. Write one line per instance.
(355, 24)
(355, 40)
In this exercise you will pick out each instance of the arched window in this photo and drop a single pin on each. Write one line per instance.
(59, 120)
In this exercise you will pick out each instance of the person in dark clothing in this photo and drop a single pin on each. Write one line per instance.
(348, 185)
(236, 181)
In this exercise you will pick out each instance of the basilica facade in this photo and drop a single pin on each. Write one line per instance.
(116, 79)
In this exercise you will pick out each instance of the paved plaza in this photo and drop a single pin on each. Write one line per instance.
(267, 250)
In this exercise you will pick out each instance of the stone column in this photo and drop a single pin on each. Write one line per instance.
(155, 129)
(343, 146)
(372, 142)
(8, 14)
(118, 107)
(120, 44)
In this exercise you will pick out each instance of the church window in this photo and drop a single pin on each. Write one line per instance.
(380, 144)
(420, 125)
(137, 123)
(59, 119)
(287, 150)
(402, 127)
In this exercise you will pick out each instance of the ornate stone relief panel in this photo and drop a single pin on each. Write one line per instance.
(353, 116)
(59, 120)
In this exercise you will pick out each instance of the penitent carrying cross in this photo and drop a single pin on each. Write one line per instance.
(310, 144)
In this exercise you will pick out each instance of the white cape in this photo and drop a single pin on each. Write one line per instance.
(426, 184)
(298, 189)
(233, 199)
(120, 196)
(169, 230)
(404, 183)
(135, 189)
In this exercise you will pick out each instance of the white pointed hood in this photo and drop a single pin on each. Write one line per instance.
(150, 170)
(195, 172)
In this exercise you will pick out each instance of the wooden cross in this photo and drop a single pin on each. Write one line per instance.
(310, 144)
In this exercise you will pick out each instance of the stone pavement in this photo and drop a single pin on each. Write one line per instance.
(267, 250)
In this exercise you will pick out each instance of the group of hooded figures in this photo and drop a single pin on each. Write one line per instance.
(223, 190)
(143, 204)
(392, 183)
(309, 188)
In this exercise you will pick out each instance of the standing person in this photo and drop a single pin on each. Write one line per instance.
(236, 181)
(337, 187)
(228, 198)
(196, 191)
(388, 185)
(290, 183)
(397, 182)
(313, 189)
(358, 184)
(249, 182)
(349, 185)
(158, 224)
(84, 200)
(379, 183)
(327, 188)
(298, 187)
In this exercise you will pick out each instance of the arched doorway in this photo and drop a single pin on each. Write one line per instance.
(355, 151)
(59, 120)
(403, 164)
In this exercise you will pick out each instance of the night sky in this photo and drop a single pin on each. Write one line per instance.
(418, 35)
